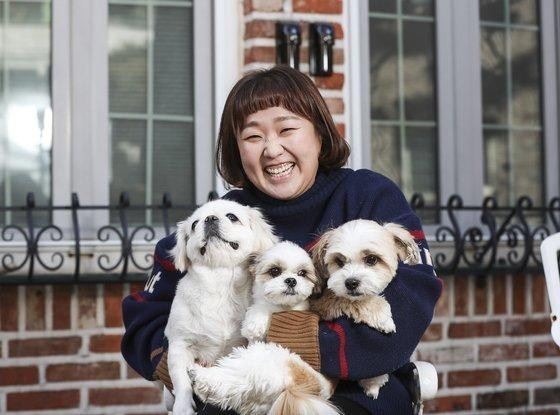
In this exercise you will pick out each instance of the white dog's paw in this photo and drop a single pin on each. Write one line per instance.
(371, 386)
(184, 405)
(255, 329)
(387, 325)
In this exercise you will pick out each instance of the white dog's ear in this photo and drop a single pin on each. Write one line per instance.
(318, 256)
(179, 251)
(407, 250)
(265, 237)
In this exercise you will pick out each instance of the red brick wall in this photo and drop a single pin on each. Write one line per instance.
(60, 351)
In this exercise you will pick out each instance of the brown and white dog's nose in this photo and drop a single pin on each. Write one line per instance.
(290, 282)
(352, 283)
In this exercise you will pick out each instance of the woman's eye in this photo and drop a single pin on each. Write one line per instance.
(194, 225)
(232, 217)
(371, 259)
(253, 137)
(302, 273)
(286, 130)
(274, 272)
(339, 262)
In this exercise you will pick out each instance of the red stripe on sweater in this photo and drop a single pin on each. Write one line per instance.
(418, 234)
(137, 297)
(338, 329)
(165, 263)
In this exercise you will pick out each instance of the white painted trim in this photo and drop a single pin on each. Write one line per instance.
(357, 98)
(228, 59)
(203, 109)
(550, 72)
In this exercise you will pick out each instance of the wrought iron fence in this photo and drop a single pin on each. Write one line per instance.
(480, 240)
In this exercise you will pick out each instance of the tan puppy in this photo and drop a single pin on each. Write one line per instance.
(358, 260)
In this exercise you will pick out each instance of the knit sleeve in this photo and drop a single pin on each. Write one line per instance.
(297, 331)
(145, 314)
(356, 351)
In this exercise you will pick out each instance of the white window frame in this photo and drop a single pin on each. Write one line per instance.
(459, 96)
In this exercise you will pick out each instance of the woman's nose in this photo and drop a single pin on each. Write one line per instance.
(272, 147)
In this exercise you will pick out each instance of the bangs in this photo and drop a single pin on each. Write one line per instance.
(263, 92)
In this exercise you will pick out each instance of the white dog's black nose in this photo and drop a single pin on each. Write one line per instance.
(290, 282)
(352, 283)
(211, 219)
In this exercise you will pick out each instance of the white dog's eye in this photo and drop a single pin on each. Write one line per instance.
(302, 273)
(274, 272)
(339, 261)
(370, 259)
(194, 225)
(232, 217)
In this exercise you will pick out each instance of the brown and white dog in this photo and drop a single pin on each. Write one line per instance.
(358, 260)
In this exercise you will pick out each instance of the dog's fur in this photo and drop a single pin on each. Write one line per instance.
(283, 279)
(358, 260)
(213, 246)
(266, 378)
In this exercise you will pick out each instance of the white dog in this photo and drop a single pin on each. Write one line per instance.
(359, 259)
(266, 378)
(213, 246)
(283, 279)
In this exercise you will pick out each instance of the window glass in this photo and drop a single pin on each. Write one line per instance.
(403, 90)
(151, 101)
(511, 107)
(25, 105)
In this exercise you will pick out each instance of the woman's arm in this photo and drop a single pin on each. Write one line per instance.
(145, 314)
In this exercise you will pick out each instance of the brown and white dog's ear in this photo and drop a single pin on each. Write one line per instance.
(265, 237)
(251, 265)
(318, 254)
(407, 250)
(179, 251)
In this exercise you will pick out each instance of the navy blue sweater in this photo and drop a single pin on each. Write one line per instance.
(348, 351)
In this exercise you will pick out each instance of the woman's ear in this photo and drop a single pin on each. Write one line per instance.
(407, 250)
(179, 251)
(264, 234)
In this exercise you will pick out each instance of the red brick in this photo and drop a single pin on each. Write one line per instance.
(526, 327)
(451, 354)
(481, 295)
(477, 329)
(448, 404)
(124, 396)
(547, 396)
(105, 343)
(503, 352)
(546, 349)
(112, 303)
(500, 294)
(29, 401)
(137, 286)
(506, 399)
(519, 294)
(44, 346)
(62, 295)
(266, 54)
(9, 308)
(336, 105)
(19, 375)
(132, 374)
(433, 333)
(341, 129)
(87, 306)
(318, 6)
(260, 28)
(538, 293)
(481, 377)
(334, 81)
(35, 307)
(442, 306)
(67, 372)
(264, 5)
(531, 373)
(461, 292)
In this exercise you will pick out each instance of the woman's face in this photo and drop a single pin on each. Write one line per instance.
(279, 152)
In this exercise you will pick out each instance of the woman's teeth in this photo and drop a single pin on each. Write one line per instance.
(281, 170)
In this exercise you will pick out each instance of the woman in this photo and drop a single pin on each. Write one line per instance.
(278, 144)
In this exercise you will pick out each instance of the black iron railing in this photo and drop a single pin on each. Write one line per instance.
(480, 240)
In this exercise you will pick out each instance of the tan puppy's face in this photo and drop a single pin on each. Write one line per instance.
(360, 258)
(221, 233)
(284, 275)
